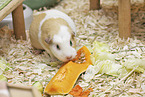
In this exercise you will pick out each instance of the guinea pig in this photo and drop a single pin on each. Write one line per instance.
(54, 31)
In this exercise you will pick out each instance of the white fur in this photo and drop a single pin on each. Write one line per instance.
(62, 38)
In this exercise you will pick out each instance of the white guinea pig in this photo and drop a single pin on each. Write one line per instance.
(54, 31)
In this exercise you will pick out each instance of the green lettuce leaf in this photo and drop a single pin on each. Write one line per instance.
(139, 64)
(107, 66)
(100, 47)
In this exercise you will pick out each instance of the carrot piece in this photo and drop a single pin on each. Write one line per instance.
(85, 93)
(76, 91)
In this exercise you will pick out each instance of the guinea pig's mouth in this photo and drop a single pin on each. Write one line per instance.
(67, 59)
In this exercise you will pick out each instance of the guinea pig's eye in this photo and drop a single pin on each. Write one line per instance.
(57, 46)
(71, 43)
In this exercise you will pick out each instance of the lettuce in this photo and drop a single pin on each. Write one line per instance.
(102, 56)
(103, 62)
(90, 72)
(100, 47)
(101, 52)
(39, 86)
(107, 66)
(139, 64)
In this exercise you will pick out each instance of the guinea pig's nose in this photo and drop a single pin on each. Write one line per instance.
(69, 57)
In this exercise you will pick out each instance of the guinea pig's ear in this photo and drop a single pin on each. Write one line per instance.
(48, 40)
(73, 33)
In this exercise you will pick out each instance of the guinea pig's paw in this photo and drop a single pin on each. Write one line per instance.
(37, 52)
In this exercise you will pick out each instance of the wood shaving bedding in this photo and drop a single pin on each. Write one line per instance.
(100, 25)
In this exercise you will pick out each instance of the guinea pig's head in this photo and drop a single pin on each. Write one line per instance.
(62, 43)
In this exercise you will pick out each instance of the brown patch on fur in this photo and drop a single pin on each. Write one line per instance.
(51, 27)
(34, 30)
